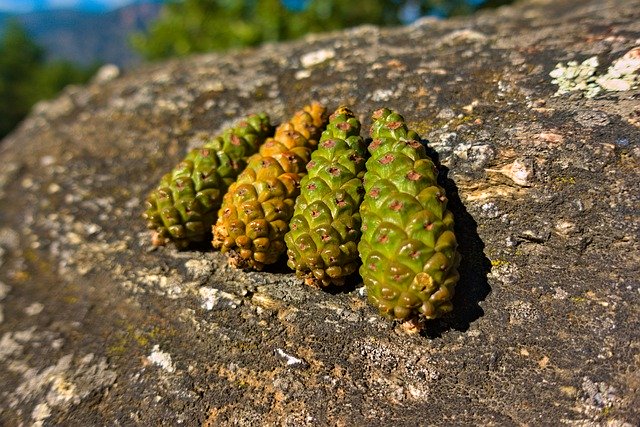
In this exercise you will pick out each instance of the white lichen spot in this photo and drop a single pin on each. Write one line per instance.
(566, 228)
(4, 290)
(73, 238)
(490, 210)
(291, 360)
(40, 413)
(132, 203)
(560, 294)
(302, 74)
(199, 269)
(62, 391)
(34, 309)
(66, 383)
(169, 286)
(418, 393)
(521, 312)
(91, 229)
(161, 359)
(9, 238)
(317, 57)
(53, 188)
(462, 150)
(382, 95)
(210, 297)
(47, 161)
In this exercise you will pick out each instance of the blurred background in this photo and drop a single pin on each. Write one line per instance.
(46, 45)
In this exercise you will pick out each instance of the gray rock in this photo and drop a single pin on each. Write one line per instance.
(98, 329)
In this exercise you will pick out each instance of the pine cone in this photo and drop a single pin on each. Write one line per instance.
(256, 210)
(184, 205)
(408, 247)
(325, 229)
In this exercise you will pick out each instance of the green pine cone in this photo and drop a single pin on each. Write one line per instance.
(408, 246)
(183, 207)
(325, 228)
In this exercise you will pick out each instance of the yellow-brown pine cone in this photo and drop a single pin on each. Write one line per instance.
(257, 208)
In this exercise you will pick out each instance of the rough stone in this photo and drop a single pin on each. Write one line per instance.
(99, 328)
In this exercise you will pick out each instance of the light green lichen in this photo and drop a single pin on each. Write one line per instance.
(622, 75)
(574, 76)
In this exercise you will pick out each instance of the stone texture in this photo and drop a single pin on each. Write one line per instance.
(97, 328)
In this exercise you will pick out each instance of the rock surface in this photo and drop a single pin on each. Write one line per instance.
(96, 328)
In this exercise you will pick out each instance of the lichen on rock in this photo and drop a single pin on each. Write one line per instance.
(574, 76)
(622, 75)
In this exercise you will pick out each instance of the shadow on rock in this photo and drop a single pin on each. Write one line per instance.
(279, 267)
(473, 285)
(350, 284)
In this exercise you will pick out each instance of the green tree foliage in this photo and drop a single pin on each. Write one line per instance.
(25, 77)
(18, 57)
(204, 25)
(188, 26)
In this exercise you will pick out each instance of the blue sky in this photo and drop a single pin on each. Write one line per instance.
(20, 6)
